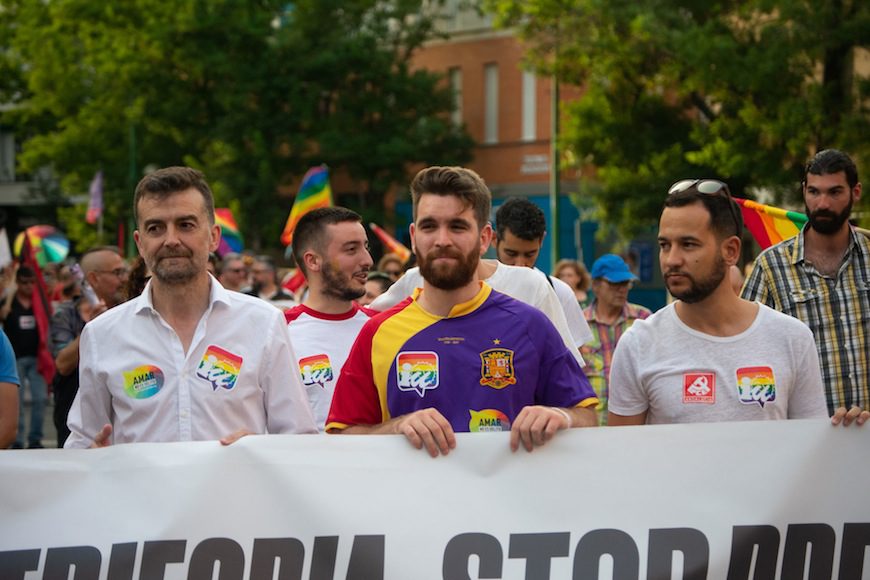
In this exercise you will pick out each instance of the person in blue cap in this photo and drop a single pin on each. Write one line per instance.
(609, 315)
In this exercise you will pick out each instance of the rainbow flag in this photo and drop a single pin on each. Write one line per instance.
(391, 244)
(313, 193)
(770, 225)
(231, 237)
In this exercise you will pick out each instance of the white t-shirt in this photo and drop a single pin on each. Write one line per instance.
(524, 284)
(573, 313)
(237, 374)
(321, 343)
(680, 375)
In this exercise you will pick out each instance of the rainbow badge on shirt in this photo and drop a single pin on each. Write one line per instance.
(220, 368)
(497, 368)
(756, 385)
(488, 420)
(417, 371)
(315, 370)
(143, 382)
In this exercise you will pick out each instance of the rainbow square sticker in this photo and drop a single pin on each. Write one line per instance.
(417, 371)
(219, 367)
(756, 385)
(315, 369)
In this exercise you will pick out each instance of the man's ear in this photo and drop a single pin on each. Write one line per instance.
(313, 261)
(731, 250)
(487, 237)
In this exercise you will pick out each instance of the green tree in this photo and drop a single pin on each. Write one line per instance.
(252, 92)
(744, 91)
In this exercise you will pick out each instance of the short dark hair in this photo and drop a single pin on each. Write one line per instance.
(459, 181)
(309, 232)
(383, 280)
(169, 180)
(832, 161)
(522, 218)
(723, 218)
(24, 273)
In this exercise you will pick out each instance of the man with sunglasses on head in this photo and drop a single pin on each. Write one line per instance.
(609, 316)
(822, 277)
(710, 355)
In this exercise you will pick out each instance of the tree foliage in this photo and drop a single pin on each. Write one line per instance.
(253, 92)
(744, 91)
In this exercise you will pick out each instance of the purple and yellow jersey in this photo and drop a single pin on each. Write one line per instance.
(479, 366)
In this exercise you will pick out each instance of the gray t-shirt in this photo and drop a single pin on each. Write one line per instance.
(680, 375)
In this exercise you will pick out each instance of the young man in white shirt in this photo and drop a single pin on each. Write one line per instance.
(187, 360)
(520, 228)
(331, 249)
(710, 355)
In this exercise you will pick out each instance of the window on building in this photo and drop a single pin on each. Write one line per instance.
(456, 88)
(490, 119)
(530, 106)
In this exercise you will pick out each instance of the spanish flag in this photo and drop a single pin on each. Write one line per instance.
(313, 193)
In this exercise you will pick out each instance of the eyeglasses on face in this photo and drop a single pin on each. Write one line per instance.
(712, 187)
(627, 284)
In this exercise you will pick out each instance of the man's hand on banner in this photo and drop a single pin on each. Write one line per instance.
(856, 414)
(102, 438)
(233, 437)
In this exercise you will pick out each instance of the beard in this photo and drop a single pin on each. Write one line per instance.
(174, 274)
(445, 276)
(700, 289)
(827, 222)
(338, 284)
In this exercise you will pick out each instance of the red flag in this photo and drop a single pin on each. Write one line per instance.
(392, 245)
(294, 282)
(41, 312)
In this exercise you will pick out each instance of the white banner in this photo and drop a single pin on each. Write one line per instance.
(787, 499)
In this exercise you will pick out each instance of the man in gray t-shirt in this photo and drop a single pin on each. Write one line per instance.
(712, 356)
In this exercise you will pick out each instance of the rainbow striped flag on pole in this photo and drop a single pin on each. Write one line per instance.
(231, 237)
(391, 244)
(313, 193)
(770, 225)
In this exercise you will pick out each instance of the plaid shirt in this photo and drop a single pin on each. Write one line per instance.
(598, 352)
(837, 310)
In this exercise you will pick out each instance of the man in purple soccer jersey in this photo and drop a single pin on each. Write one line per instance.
(458, 356)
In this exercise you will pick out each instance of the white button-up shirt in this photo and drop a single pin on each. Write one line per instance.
(237, 374)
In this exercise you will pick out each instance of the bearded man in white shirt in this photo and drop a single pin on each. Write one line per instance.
(187, 360)
(331, 248)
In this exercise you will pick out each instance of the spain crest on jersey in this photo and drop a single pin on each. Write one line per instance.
(497, 368)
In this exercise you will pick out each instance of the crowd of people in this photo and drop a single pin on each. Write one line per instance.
(182, 346)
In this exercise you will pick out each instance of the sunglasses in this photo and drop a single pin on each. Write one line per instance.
(712, 187)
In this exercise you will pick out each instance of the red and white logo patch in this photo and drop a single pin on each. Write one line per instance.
(699, 388)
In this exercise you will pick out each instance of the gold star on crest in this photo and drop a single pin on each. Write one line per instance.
(496, 341)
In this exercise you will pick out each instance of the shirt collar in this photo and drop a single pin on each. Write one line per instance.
(593, 313)
(797, 253)
(216, 294)
(463, 307)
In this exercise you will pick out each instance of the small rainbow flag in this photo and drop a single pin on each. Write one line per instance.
(313, 193)
(770, 225)
(231, 237)
(391, 244)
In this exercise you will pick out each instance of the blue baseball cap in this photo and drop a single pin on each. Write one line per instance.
(612, 268)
